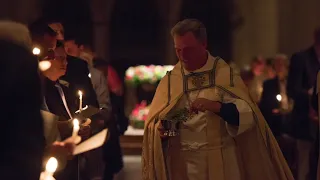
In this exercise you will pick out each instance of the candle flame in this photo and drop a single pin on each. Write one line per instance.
(52, 165)
(279, 97)
(44, 65)
(89, 75)
(36, 51)
(80, 93)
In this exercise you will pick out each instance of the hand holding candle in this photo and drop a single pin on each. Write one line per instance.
(76, 127)
(51, 167)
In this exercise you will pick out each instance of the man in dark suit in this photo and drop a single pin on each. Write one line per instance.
(61, 102)
(302, 75)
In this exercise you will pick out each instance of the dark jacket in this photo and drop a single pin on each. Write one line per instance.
(22, 133)
(78, 79)
(269, 102)
(302, 75)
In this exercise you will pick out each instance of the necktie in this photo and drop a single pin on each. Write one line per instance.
(63, 99)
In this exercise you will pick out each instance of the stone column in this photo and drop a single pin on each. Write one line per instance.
(101, 14)
(169, 12)
(259, 33)
(297, 20)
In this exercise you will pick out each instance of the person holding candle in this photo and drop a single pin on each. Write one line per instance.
(276, 108)
(274, 100)
(60, 101)
(112, 151)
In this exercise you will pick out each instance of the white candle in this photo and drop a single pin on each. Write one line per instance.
(76, 128)
(80, 100)
(279, 97)
(51, 167)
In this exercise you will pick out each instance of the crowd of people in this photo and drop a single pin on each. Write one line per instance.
(283, 89)
(234, 128)
(73, 67)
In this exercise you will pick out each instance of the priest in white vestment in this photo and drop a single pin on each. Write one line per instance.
(220, 135)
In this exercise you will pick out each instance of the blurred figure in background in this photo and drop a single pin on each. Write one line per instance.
(43, 37)
(276, 107)
(115, 85)
(274, 100)
(58, 28)
(303, 70)
(255, 78)
(119, 123)
(78, 71)
(270, 72)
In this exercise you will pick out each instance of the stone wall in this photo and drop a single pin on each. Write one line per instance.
(274, 26)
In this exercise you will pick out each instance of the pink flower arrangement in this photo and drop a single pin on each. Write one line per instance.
(150, 74)
(140, 112)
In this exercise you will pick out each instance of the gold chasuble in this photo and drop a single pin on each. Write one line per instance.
(208, 148)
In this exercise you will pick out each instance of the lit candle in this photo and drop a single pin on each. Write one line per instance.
(36, 51)
(279, 97)
(76, 128)
(80, 100)
(51, 167)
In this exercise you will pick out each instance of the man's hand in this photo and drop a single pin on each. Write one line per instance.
(85, 132)
(202, 105)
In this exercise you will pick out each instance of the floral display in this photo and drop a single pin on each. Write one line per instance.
(146, 74)
(139, 115)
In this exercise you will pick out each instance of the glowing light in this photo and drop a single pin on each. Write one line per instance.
(52, 165)
(44, 65)
(76, 127)
(89, 75)
(279, 97)
(36, 51)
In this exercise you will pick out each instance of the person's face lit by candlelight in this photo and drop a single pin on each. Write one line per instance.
(58, 64)
(72, 48)
(58, 28)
